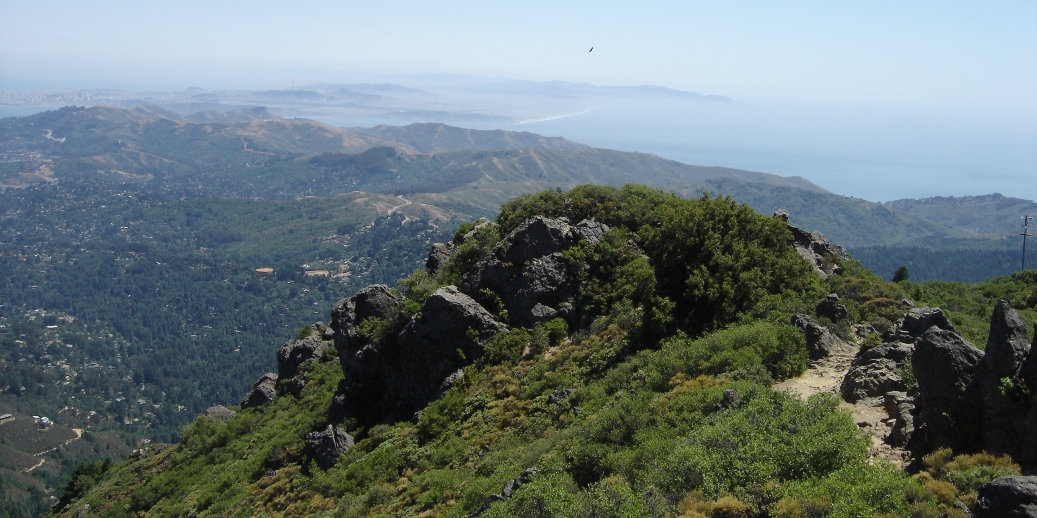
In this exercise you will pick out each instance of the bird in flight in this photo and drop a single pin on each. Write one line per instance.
(591, 50)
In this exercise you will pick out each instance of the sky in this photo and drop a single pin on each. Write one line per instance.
(942, 95)
(981, 54)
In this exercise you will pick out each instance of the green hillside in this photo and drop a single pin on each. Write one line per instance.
(651, 396)
(152, 262)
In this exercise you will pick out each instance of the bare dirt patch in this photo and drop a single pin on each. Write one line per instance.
(825, 375)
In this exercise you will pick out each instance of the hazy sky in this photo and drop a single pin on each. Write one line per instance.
(980, 55)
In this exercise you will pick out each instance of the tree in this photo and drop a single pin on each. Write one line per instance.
(901, 274)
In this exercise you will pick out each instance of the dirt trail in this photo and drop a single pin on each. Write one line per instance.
(825, 375)
(77, 434)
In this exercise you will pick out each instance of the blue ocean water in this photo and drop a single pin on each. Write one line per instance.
(874, 154)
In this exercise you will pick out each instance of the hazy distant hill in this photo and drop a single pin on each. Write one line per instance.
(271, 157)
(431, 137)
(988, 215)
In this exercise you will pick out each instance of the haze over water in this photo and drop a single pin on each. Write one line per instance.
(875, 154)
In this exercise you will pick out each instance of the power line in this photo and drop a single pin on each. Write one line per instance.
(1026, 233)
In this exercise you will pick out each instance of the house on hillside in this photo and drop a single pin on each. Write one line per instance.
(5, 418)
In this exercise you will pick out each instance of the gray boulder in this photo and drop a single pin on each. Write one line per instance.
(818, 251)
(438, 256)
(944, 365)
(540, 236)
(901, 407)
(916, 322)
(263, 391)
(377, 301)
(831, 308)
(326, 446)
(1007, 344)
(729, 400)
(821, 342)
(529, 273)
(875, 372)
(359, 360)
(219, 413)
(448, 332)
(1007, 497)
(506, 492)
(302, 351)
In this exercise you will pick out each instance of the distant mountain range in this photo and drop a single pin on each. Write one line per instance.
(445, 98)
(251, 152)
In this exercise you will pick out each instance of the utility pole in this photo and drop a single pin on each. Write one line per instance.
(1026, 233)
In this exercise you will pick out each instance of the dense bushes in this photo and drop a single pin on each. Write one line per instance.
(711, 258)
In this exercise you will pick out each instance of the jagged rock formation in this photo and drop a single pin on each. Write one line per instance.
(441, 253)
(880, 370)
(263, 391)
(1007, 497)
(296, 353)
(328, 445)
(1005, 407)
(449, 332)
(900, 406)
(300, 351)
(392, 379)
(966, 399)
(916, 322)
(530, 274)
(944, 364)
(813, 247)
(973, 400)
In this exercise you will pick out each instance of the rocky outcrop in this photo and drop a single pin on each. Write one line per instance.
(971, 400)
(876, 371)
(812, 246)
(375, 302)
(302, 351)
(364, 365)
(439, 256)
(326, 446)
(950, 405)
(821, 342)
(263, 391)
(298, 352)
(1007, 427)
(219, 413)
(729, 400)
(391, 379)
(916, 322)
(448, 332)
(900, 406)
(529, 274)
(1007, 497)
(830, 308)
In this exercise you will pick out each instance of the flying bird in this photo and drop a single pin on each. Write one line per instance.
(591, 50)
